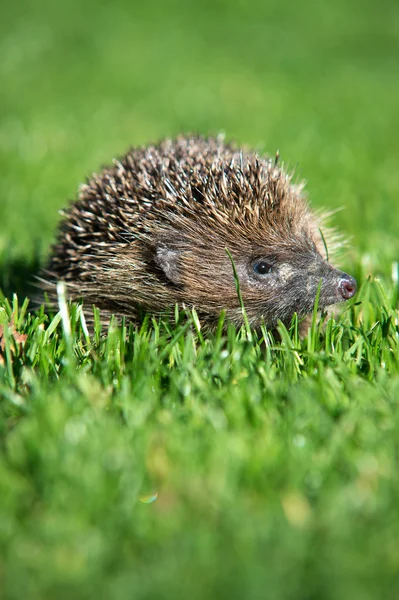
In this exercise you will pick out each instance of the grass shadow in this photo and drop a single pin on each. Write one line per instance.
(17, 276)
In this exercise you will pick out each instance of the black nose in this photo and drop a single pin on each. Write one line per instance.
(347, 287)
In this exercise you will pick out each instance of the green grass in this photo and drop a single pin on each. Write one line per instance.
(275, 464)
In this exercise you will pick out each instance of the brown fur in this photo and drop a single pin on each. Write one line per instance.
(152, 231)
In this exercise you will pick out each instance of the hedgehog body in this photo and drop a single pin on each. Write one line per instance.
(153, 230)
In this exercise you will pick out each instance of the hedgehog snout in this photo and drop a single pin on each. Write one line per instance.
(347, 286)
(337, 286)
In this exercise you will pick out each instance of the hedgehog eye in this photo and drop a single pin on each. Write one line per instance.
(262, 268)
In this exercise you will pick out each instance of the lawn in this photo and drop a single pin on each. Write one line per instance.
(162, 462)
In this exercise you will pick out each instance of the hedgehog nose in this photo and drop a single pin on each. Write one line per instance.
(347, 287)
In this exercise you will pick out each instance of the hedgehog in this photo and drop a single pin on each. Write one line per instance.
(181, 222)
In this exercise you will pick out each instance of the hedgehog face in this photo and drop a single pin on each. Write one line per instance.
(275, 283)
(274, 286)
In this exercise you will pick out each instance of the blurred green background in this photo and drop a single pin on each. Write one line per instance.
(82, 81)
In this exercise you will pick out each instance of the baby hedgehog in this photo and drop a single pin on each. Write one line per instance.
(153, 230)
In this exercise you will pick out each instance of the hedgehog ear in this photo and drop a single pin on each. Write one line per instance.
(167, 259)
